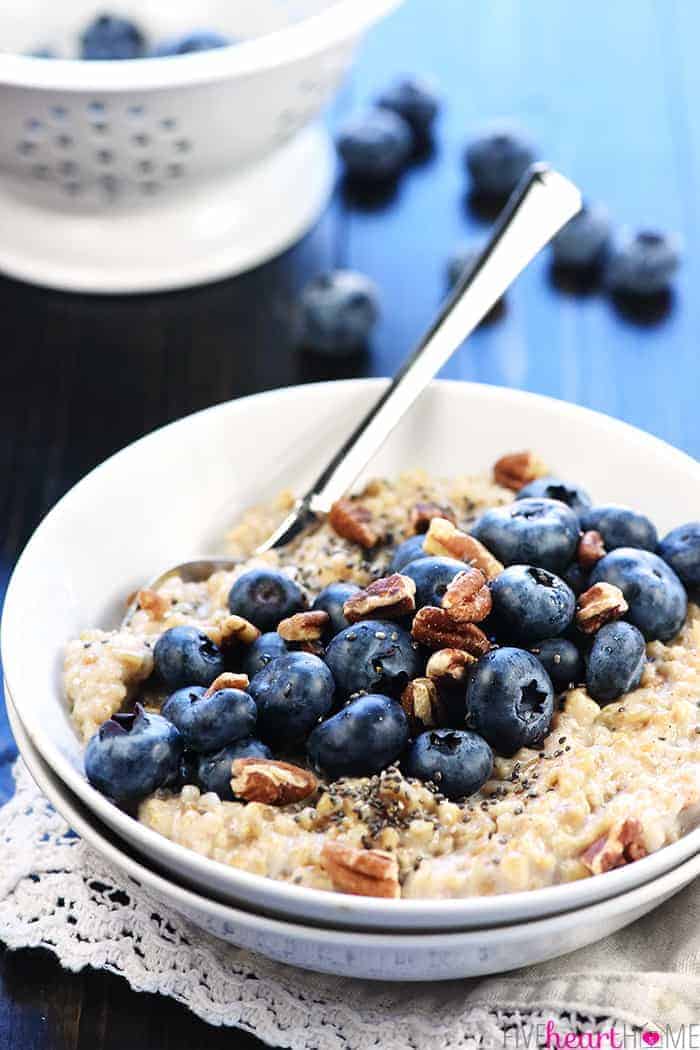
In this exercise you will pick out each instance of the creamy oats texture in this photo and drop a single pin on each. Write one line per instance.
(610, 784)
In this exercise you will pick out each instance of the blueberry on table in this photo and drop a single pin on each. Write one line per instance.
(530, 604)
(542, 532)
(657, 601)
(188, 43)
(561, 660)
(375, 146)
(209, 722)
(109, 37)
(432, 576)
(262, 651)
(457, 761)
(680, 549)
(644, 263)
(214, 772)
(615, 662)
(554, 488)
(337, 312)
(373, 656)
(510, 700)
(265, 596)
(187, 656)
(132, 755)
(416, 100)
(365, 737)
(331, 600)
(408, 551)
(583, 243)
(620, 527)
(292, 693)
(498, 159)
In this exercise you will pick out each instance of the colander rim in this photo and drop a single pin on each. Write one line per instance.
(342, 20)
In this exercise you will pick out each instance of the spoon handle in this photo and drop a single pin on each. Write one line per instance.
(539, 207)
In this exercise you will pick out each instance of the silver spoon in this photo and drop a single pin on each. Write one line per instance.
(543, 202)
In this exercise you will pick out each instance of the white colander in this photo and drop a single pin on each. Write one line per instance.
(167, 172)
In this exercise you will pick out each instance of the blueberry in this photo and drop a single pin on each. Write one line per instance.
(656, 597)
(584, 241)
(132, 755)
(416, 100)
(187, 43)
(373, 656)
(620, 527)
(681, 550)
(292, 693)
(615, 662)
(510, 700)
(186, 772)
(562, 662)
(497, 160)
(262, 651)
(542, 532)
(531, 604)
(408, 551)
(187, 656)
(337, 312)
(375, 145)
(109, 37)
(331, 600)
(457, 761)
(365, 737)
(576, 577)
(207, 723)
(214, 771)
(265, 596)
(644, 263)
(431, 577)
(554, 488)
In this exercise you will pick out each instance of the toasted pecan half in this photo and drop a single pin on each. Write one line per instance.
(600, 604)
(366, 872)
(444, 540)
(353, 522)
(304, 626)
(435, 628)
(422, 514)
(590, 549)
(392, 596)
(228, 680)
(423, 705)
(624, 842)
(272, 782)
(468, 598)
(517, 469)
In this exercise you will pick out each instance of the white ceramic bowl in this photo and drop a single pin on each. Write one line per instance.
(172, 494)
(165, 172)
(396, 956)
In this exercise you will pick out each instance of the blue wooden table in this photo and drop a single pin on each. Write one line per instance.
(609, 91)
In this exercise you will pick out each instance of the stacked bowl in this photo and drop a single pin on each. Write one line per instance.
(171, 496)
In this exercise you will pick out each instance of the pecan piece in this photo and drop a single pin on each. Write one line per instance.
(435, 628)
(590, 549)
(228, 680)
(353, 522)
(423, 513)
(443, 539)
(392, 596)
(423, 706)
(274, 783)
(623, 843)
(304, 626)
(597, 606)
(153, 603)
(518, 469)
(468, 598)
(452, 664)
(367, 872)
(234, 629)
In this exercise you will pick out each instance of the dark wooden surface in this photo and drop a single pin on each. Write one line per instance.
(611, 91)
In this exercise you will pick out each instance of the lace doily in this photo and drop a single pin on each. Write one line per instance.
(56, 893)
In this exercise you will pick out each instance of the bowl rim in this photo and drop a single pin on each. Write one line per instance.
(437, 913)
(341, 21)
(99, 838)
